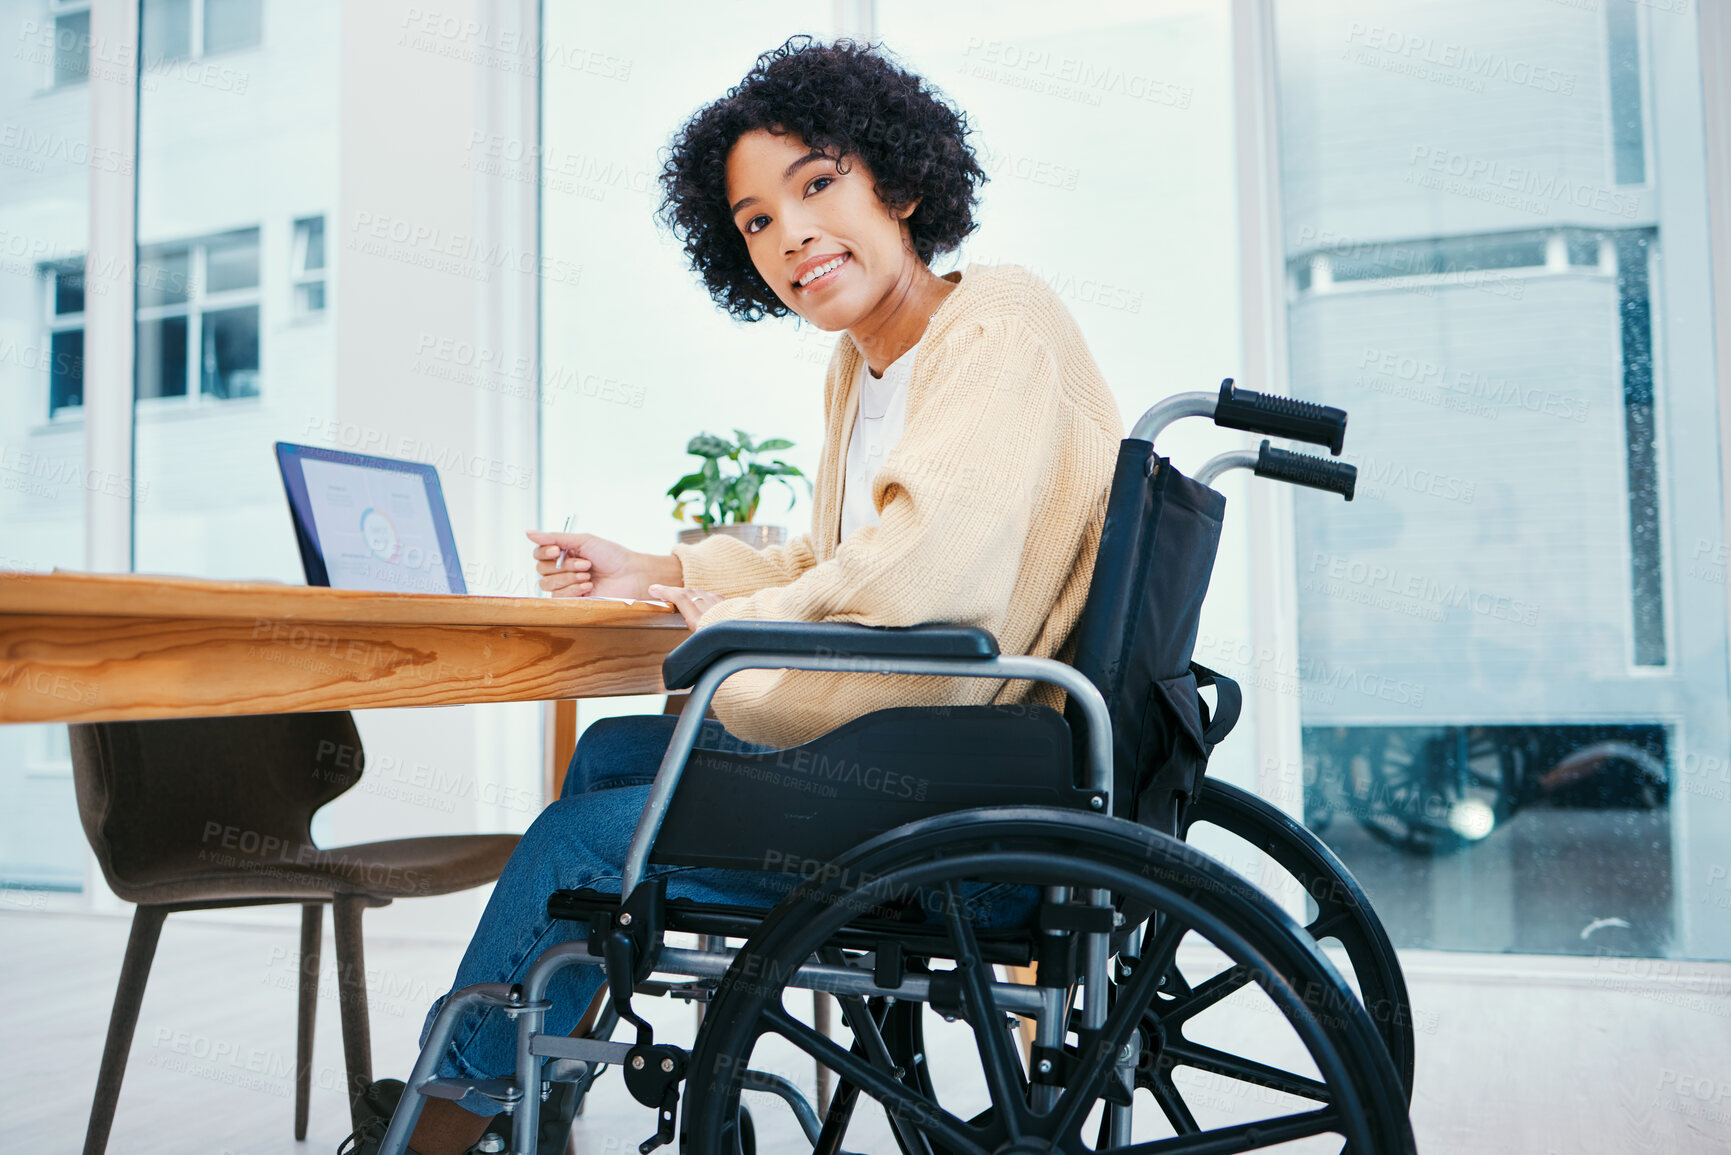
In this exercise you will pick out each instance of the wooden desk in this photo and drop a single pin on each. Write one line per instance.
(78, 647)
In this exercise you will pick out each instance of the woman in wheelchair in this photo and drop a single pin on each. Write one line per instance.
(970, 440)
(1031, 765)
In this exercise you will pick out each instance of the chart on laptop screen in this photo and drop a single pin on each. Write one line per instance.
(375, 528)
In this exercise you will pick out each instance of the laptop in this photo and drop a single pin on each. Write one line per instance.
(369, 523)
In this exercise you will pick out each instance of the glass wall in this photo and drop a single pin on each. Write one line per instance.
(46, 163)
(635, 360)
(286, 154)
(237, 174)
(1512, 649)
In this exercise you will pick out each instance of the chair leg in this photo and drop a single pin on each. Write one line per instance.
(1026, 976)
(820, 1020)
(122, 1021)
(352, 997)
(312, 935)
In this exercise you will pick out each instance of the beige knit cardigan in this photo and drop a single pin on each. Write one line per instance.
(990, 510)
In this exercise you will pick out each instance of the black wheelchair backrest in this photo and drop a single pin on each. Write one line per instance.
(1138, 629)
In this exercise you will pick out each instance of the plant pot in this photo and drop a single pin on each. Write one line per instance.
(752, 534)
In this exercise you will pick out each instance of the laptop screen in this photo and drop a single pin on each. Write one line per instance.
(369, 523)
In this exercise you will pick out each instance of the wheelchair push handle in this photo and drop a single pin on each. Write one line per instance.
(1280, 417)
(1302, 469)
(1281, 465)
(1235, 408)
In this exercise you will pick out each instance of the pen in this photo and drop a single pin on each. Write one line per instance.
(564, 553)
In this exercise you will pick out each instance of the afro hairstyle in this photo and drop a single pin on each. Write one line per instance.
(846, 100)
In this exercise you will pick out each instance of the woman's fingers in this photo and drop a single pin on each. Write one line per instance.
(561, 564)
(564, 540)
(567, 583)
(691, 603)
(682, 601)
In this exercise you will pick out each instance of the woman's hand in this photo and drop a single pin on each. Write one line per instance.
(690, 603)
(576, 565)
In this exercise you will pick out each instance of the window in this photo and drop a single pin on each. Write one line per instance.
(198, 308)
(65, 295)
(1628, 126)
(71, 41)
(190, 29)
(1511, 646)
(309, 266)
(229, 25)
(1497, 264)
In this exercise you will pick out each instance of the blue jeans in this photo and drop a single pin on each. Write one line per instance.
(580, 841)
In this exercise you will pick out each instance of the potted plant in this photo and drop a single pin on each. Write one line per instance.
(726, 495)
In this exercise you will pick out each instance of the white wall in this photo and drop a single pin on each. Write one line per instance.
(1093, 188)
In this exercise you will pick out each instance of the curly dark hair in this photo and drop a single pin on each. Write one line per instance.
(847, 100)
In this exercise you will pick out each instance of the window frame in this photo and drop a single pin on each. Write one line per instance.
(301, 277)
(198, 302)
(58, 9)
(49, 274)
(195, 38)
(1643, 89)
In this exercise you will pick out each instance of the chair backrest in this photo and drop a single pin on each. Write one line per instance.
(158, 798)
(1137, 631)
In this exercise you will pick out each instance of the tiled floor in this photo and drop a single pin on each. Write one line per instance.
(1523, 1055)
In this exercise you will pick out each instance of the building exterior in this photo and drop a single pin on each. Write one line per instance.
(1493, 227)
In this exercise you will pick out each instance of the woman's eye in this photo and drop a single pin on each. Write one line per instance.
(760, 222)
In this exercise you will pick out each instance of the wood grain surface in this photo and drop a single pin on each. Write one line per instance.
(89, 647)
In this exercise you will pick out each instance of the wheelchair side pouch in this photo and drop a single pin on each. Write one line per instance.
(1174, 753)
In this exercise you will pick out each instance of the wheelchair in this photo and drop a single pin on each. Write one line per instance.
(1023, 896)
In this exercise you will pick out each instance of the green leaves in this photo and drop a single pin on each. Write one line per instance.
(731, 497)
(710, 446)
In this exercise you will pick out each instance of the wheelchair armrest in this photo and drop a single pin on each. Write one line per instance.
(681, 668)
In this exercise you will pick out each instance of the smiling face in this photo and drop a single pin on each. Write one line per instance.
(831, 250)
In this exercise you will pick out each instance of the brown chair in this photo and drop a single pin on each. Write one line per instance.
(202, 813)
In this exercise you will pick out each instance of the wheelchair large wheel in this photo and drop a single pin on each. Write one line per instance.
(1428, 791)
(1343, 913)
(1223, 957)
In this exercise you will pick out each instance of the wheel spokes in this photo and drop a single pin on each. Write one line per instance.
(866, 1026)
(1002, 1065)
(1330, 926)
(898, 1100)
(1201, 998)
(1172, 1104)
(1160, 950)
(1241, 1136)
(1183, 1052)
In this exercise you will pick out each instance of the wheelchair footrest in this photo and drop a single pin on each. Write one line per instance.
(589, 1050)
(503, 1091)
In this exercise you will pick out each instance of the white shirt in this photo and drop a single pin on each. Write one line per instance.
(877, 426)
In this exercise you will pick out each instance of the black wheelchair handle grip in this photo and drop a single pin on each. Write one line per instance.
(1280, 417)
(1301, 469)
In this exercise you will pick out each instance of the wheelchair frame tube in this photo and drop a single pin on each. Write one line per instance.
(1220, 463)
(1012, 667)
(408, 1111)
(534, 1048)
(1174, 408)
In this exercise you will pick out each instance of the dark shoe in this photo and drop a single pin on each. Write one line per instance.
(378, 1103)
(558, 1112)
